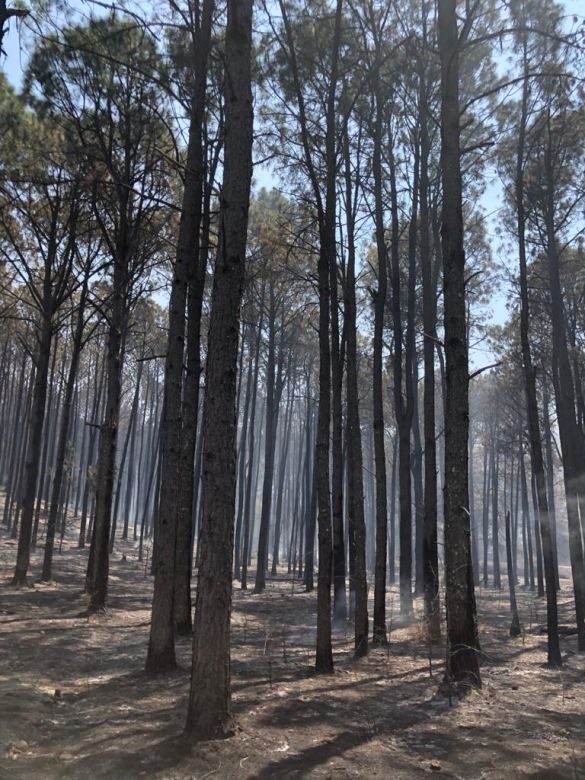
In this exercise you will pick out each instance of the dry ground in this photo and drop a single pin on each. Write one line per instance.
(381, 717)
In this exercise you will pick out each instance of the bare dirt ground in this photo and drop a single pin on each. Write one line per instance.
(382, 717)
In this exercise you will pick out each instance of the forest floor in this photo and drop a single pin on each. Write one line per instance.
(75, 702)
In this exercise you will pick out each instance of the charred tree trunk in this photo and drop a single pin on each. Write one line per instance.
(248, 509)
(495, 461)
(99, 564)
(354, 440)
(462, 634)
(403, 421)
(33, 458)
(209, 712)
(242, 465)
(380, 296)
(572, 444)
(430, 547)
(273, 394)
(515, 628)
(172, 506)
(63, 437)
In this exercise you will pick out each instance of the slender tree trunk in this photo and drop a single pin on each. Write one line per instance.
(354, 443)
(550, 484)
(339, 599)
(132, 422)
(248, 509)
(327, 259)
(572, 445)
(192, 377)
(51, 415)
(175, 507)
(63, 436)
(309, 527)
(526, 513)
(209, 712)
(284, 447)
(33, 451)
(515, 628)
(273, 392)
(485, 511)
(18, 427)
(472, 521)
(380, 296)
(100, 564)
(537, 541)
(462, 634)
(401, 413)
(495, 460)
(392, 541)
(410, 359)
(88, 486)
(242, 467)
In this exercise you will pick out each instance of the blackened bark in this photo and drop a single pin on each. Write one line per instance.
(273, 394)
(33, 457)
(192, 376)
(485, 511)
(550, 484)
(132, 422)
(339, 598)
(462, 635)
(392, 535)
(209, 712)
(354, 439)
(247, 519)
(327, 258)
(572, 444)
(526, 516)
(411, 357)
(63, 436)
(99, 562)
(88, 486)
(537, 542)
(285, 442)
(430, 553)
(379, 628)
(515, 628)
(403, 421)
(242, 466)
(495, 463)
(309, 528)
(175, 502)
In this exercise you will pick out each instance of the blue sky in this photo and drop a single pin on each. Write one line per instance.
(15, 45)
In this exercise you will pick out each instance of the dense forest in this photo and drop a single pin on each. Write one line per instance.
(292, 389)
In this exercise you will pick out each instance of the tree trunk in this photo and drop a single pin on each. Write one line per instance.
(354, 443)
(248, 509)
(403, 422)
(198, 257)
(495, 461)
(284, 447)
(380, 296)
(430, 552)
(273, 393)
(174, 503)
(98, 570)
(63, 436)
(515, 628)
(462, 635)
(132, 423)
(572, 445)
(33, 451)
(209, 700)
